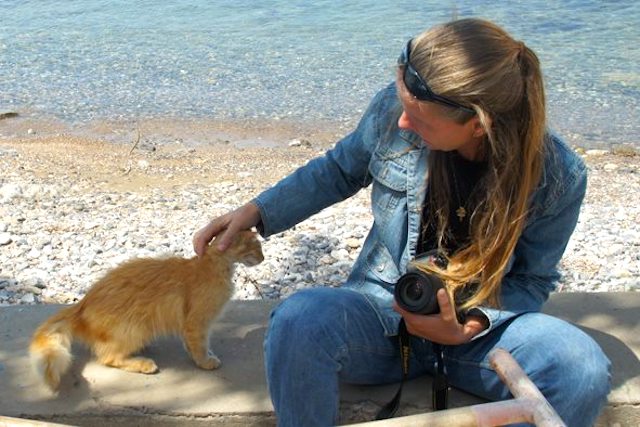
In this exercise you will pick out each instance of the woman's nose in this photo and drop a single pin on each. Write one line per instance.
(403, 121)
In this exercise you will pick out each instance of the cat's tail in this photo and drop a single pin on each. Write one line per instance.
(50, 348)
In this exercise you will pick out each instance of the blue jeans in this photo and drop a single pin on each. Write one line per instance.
(319, 337)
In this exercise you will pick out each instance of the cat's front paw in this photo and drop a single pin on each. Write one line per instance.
(148, 367)
(211, 362)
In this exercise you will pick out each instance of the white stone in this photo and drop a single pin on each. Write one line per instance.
(340, 253)
(32, 191)
(28, 299)
(10, 191)
(33, 254)
(353, 243)
(596, 152)
(5, 239)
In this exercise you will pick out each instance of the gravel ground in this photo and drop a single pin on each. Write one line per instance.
(73, 207)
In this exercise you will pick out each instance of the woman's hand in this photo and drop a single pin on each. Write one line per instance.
(226, 226)
(442, 328)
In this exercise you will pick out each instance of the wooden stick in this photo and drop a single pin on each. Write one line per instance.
(523, 389)
(133, 147)
(22, 422)
(528, 406)
(135, 144)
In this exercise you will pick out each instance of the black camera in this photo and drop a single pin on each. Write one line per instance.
(416, 290)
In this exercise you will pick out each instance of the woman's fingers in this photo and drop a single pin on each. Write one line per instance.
(225, 228)
(203, 236)
(243, 218)
(226, 237)
(447, 312)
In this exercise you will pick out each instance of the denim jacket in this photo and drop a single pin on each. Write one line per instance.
(394, 162)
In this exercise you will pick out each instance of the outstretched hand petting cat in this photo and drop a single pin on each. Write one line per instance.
(143, 299)
(226, 227)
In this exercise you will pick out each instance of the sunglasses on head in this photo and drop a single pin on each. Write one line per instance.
(418, 87)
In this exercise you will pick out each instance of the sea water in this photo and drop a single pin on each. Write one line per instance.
(298, 60)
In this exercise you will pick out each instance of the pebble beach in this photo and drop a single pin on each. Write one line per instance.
(72, 207)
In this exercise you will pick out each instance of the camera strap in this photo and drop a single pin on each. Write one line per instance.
(404, 338)
(439, 386)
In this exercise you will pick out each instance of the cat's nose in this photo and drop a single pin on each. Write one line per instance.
(253, 260)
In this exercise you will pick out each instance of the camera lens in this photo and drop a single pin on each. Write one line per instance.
(416, 292)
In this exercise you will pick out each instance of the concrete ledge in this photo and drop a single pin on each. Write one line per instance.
(236, 395)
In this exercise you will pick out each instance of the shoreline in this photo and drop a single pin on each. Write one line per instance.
(73, 207)
(193, 132)
(197, 131)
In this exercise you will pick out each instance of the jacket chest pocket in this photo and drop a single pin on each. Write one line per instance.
(389, 187)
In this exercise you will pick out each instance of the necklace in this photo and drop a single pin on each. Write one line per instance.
(461, 212)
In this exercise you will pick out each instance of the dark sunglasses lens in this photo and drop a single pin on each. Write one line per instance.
(415, 85)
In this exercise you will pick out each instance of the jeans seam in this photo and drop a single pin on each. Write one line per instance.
(371, 350)
(462, 362)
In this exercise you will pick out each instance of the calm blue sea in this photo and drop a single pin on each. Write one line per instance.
(313, 61)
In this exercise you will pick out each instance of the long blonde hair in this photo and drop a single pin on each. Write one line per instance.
(476, 63)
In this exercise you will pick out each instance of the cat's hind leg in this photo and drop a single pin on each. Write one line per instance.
(118, 356)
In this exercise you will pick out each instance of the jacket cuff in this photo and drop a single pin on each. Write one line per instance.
(496, 317)
(262, 225)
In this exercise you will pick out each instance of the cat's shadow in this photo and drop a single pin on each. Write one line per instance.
(312, 248)
(73, 382)
(179, 383)
(87, 377)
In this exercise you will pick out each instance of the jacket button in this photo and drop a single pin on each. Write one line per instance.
(381, 268)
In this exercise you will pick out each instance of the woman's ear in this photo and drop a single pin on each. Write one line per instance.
(477, 129)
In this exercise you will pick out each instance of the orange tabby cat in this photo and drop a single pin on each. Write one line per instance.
(139, 301)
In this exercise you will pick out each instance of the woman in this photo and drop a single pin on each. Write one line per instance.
(460, 161)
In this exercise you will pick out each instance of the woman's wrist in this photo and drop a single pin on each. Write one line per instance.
(253, 211)
(475, 324)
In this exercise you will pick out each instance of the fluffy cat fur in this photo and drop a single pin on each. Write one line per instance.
(140, 300)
